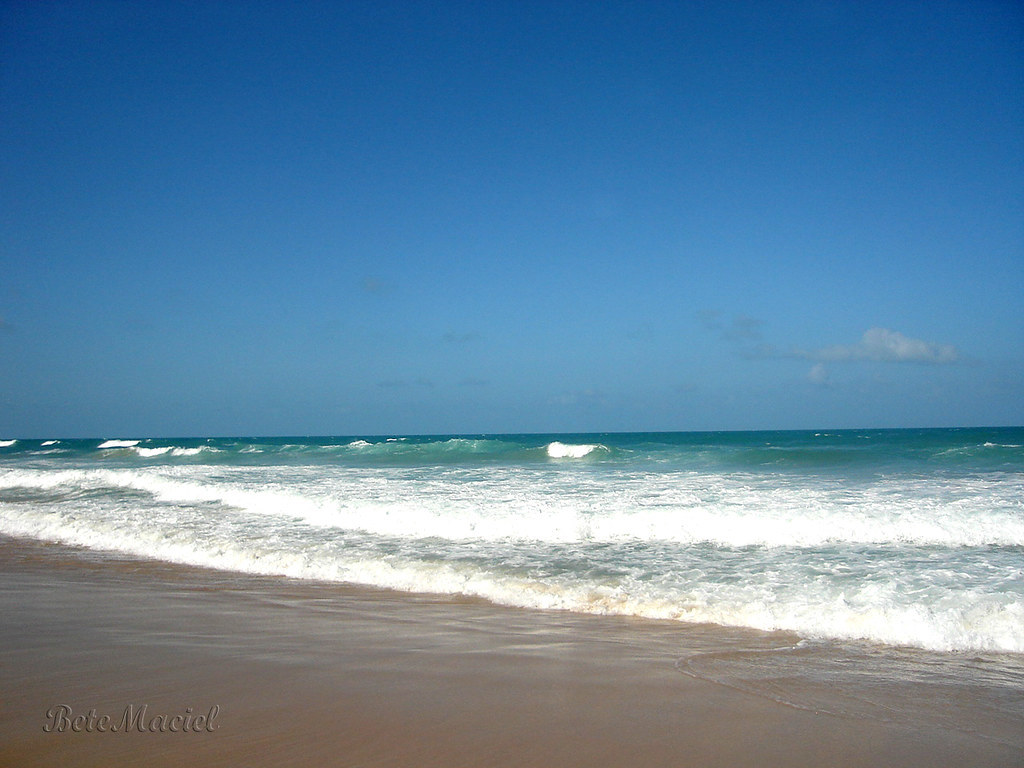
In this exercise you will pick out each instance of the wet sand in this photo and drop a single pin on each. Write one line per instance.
(321, 674)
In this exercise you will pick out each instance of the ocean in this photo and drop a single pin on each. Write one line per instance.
(908, 538)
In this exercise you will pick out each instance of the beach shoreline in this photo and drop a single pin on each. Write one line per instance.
(327, 674)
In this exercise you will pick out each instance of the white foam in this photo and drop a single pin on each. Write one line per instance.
(772, 554)
(7, 443)
(150, 452)
(879, 610)
(50, 442)
(504, 505)
(193, 451)
(558, 450)
(119, 444)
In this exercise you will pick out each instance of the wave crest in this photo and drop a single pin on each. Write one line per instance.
(117, 444)
(557, 450)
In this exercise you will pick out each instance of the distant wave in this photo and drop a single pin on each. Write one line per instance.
(822, 454)
(170, 450)
(443, 451)
(118, 444)
(150, 452)
(449, 445)
(558, 450)
(403, 450)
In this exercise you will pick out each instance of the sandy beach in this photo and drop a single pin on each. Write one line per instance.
(278, 672)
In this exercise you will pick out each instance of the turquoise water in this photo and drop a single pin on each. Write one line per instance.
(897, 537)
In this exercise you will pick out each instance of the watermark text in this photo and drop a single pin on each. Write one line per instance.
(62, 719)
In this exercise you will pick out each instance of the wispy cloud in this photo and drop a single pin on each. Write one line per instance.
(881, 345)
(819, 375)
(736, 328)
(578, 397)
(403, 383)
(886, 346)
(374, 285)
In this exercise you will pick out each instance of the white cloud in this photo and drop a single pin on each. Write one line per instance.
(819, 375)
(884, 345)
(876, 344)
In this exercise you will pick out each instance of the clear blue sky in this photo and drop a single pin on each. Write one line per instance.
(419, 217)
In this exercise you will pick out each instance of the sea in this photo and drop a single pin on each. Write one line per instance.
(907, 542)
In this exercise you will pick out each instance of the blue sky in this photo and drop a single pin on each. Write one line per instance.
(419, 217)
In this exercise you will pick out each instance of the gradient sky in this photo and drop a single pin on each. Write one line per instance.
(434, 217)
